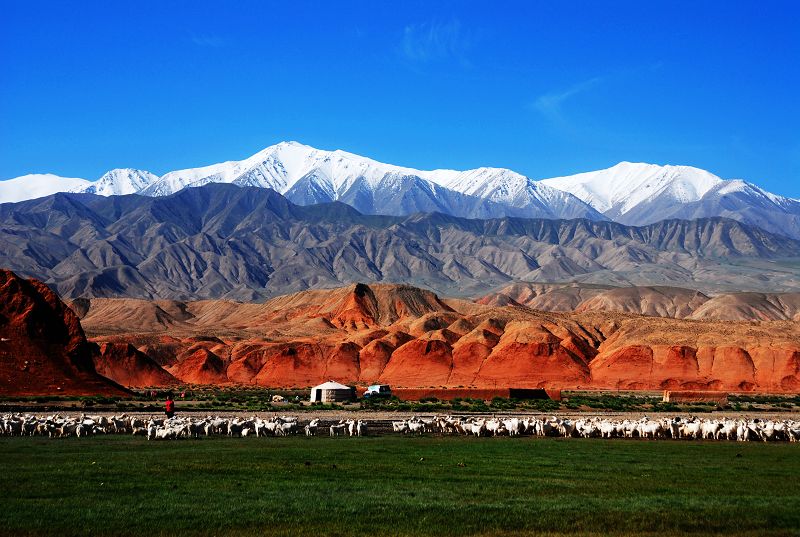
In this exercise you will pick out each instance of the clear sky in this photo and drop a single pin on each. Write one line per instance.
(545, 88)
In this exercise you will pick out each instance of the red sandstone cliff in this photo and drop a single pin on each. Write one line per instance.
(43, 350)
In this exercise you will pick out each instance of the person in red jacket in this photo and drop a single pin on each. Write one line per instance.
(170, 406)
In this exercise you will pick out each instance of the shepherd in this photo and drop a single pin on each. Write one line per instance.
(170, 406)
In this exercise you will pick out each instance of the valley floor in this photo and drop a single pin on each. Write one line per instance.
(437, 486)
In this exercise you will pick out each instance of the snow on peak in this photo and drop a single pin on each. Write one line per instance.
(37, 185)
(738, 186)
(308, 174)
(631, 193)
(282, 165)
(619, 189)
(121, 181)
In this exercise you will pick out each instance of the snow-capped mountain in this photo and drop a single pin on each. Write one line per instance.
(307, 175)
(746, 203)
(37, 185)
(511, 189)
(640, 194)
(629, 193)
(279, 167)
(121, 181)
(619, 190)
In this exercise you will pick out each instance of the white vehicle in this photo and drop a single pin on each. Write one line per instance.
(379, 390)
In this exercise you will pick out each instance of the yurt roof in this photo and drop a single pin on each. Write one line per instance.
(331, 385)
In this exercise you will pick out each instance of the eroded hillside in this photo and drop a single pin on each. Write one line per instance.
(408, 337)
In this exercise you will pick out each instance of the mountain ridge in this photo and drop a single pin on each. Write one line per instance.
(629, 193)
(640, 194)
(247, 243)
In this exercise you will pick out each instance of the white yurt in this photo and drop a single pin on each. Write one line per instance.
(332, 392)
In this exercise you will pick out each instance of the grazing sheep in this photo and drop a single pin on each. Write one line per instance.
(338, 429)
(311, 428)
(361, 428)
(158, 428)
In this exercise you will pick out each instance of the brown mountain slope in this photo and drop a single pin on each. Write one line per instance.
(354, 307)
(545, 296)
(653, 301)
(126, 365)
(228, 242)
(750, 306)
(43, 349)
(138, 315)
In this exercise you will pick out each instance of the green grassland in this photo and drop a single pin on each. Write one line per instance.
(392, 485)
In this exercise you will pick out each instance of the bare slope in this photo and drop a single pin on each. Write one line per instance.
(653, 301)
(750, 306)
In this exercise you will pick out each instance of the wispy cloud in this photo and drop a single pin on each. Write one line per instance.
(430, 42)
(550, 104)
(212, 41)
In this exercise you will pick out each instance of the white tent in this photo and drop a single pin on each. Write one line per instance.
(332, 392)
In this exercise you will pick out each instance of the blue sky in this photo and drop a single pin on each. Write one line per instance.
(545, 88)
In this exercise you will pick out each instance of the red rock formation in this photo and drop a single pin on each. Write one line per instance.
(529, 355)
(247, 359)
(43, 350)
(201, 367)
(425, 361)
(307, 363)
(126, 365)
(373, 359)
(374, 356)
(409, 338)
(469, 354)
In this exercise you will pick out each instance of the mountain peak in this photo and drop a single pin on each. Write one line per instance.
(617, 190)
(121, 181)
(641, 194)
(38, 185)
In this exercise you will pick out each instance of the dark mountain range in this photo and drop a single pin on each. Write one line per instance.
(245, 243)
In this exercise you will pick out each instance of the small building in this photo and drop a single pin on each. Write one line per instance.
(332, 392)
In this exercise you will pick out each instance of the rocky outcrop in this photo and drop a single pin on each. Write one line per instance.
(395, 334)
(43, 349)
(544, 296)
(126, 365)
(201, 366)
(724, 368)
(750, 306)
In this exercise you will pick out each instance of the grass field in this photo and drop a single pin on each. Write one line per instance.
(119, 485)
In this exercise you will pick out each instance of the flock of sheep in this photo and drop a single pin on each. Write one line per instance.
(158, 428)
(691, 428)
